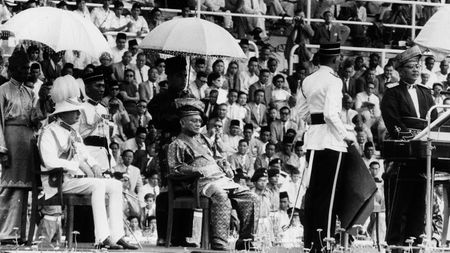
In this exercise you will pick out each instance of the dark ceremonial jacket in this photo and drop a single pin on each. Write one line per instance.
(397, 103)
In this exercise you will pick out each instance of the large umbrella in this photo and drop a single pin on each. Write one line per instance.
(435, 35)
(192, 36)
(58, 29)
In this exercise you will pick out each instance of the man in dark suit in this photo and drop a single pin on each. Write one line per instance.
(386, 78)
(51, 67)
(328, 32)
(263, 82)
(211, 105)
(349, 82)
(369, 76)
(120, 67)
(405, 185)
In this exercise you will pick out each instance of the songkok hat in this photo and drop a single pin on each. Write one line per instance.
(65, 93)
(273, 172)
(259, 173)
(189, 106)
(292, 169)
(248, 126)
(121, 36)
(93, 77)
(132, 43)
(235, 122)
(240, 174)
(275, 161)
(283, 195)
(330, 49)
(288, 139)
(410, 54)
(175, 65)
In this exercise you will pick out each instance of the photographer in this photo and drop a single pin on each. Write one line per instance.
(301, 34)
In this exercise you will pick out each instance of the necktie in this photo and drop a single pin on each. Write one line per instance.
(142, 77)
(284, 129)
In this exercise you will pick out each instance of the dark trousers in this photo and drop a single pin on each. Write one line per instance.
(405, 193)
(182, 219)
(317, 198)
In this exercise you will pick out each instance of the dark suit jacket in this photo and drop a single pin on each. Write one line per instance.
(352, 89)
(212, 113)
(49, 72)
(322, 35)
(382, 83)
(397, 103)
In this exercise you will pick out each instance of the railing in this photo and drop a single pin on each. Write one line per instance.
(383, 52)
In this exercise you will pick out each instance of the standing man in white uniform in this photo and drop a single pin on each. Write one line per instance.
(325, 141)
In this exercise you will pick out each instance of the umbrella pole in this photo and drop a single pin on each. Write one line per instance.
(198, 8)
(189, 73)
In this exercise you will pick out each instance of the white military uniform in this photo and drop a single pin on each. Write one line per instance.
(323, 92)
(94, 122)
(62, 147)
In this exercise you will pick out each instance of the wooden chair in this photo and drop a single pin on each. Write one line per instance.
(187, 202)
(68, 201)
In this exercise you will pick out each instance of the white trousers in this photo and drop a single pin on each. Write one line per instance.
(106, 222)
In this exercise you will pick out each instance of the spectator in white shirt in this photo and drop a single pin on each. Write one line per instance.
(429, 68)
(249, 76)
(362, 12)
(441, 75)
(101, 16)
(82, 10)
(35, 73)
(198, 87)
(118, 22)
(347, 112)
(138, 23)
(118, 51)
(437, 97)
(133, 47)
(161, 67)
(214, 83)
(141, 69)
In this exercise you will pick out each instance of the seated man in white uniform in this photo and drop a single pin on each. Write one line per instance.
(61, 146)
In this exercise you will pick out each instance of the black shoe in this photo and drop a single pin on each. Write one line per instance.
(183, 243)
(126, 245)
(108, 244)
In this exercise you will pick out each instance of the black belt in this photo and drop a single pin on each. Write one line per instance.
(77, 176)
(96, 141)
(317, 119)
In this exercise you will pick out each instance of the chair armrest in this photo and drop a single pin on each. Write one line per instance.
(52, 171)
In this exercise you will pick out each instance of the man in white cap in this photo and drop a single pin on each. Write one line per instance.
(404, 108)
(61, 146)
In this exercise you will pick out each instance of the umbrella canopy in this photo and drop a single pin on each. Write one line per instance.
(58, 29)
(192, 36)
(435, 34)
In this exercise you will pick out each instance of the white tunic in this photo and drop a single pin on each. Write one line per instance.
(323, 92)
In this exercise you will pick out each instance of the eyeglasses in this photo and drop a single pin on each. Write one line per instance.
(284, 113)
(129, 76)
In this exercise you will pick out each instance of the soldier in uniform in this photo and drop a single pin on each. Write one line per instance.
(61, 146)
(325, 141)
(191, 152)
(95, 126)
(402, 107)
